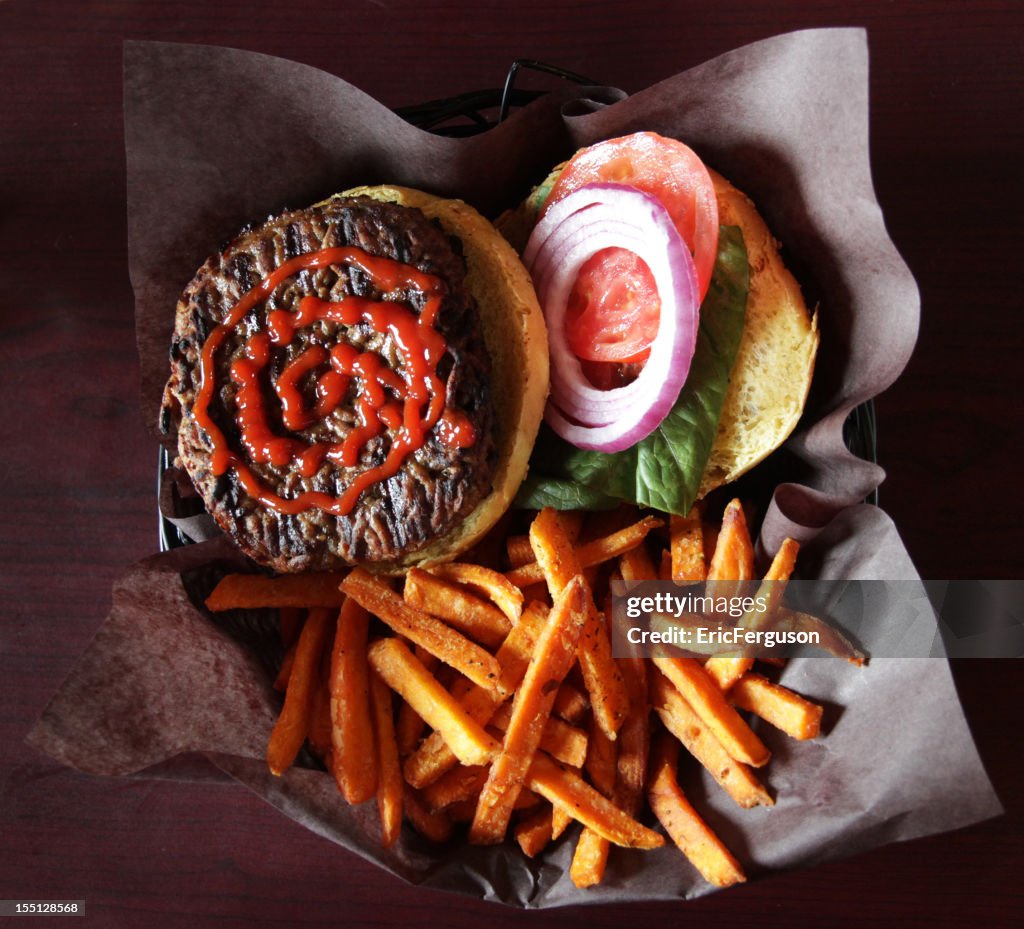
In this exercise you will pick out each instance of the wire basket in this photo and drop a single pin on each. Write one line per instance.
(467, 114)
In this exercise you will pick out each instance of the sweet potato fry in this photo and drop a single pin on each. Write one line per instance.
(454, 649)
(829, 639)
(519, 550)
(293, 724)
(355, 759)
(728, 668)
(777, 705)
(734, 552)
(636, 565)
(553, 656)
(436, 827)
(679, 718)
(589, 554)
(700, 845)
(601, 674)
(409, 727)
(560, 818)
(584, 804)
(707, 700)
(472, 616)
(390, 787)
(687, 547)
(591, 853)
(564, 742)
(589, 859)
(401, 671)
(254, 591)
(534, 832)
(499, 589)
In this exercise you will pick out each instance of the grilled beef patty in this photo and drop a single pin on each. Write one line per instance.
(438, 484)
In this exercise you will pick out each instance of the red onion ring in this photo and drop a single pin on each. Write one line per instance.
(594, 217)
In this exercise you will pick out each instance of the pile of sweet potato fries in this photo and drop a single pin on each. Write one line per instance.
(513, 716)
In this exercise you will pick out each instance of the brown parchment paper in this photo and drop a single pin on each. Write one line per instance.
(217, 138)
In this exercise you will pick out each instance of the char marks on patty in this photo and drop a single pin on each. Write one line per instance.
(438, 484)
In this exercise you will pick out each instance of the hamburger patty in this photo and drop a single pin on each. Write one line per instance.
(437, 484)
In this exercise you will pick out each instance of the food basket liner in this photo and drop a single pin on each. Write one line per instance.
(217, 138)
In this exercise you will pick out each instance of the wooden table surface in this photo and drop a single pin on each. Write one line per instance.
(77, 488)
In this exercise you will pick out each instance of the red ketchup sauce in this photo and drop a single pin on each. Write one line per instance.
(408, 404)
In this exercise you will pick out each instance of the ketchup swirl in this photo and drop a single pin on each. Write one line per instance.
(408, 404)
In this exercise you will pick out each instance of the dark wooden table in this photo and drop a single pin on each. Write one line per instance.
(77, 487)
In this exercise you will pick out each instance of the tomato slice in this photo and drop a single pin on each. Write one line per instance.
(614, 306)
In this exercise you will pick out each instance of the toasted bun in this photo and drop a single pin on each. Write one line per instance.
(775, 361)
(517, 342)
(772, 374)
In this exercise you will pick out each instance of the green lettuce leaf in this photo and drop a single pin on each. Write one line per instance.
(664, 470)
(539, 491)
